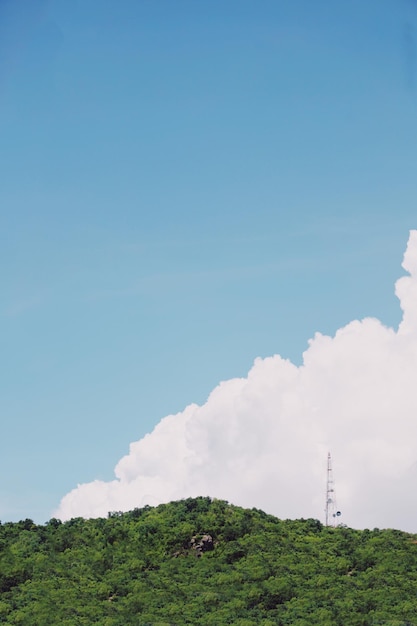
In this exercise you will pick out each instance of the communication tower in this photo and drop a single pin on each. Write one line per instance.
(331, 508)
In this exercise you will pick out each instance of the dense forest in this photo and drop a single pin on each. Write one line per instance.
(203, 561)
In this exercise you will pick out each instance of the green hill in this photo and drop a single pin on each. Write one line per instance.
(204, 562)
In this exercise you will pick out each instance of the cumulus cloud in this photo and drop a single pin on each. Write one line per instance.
(262, 441)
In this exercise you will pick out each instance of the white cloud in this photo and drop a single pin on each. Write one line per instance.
(262, 440)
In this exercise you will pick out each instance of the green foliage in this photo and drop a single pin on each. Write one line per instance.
(140, 568)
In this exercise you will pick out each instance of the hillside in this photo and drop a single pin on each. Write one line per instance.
(203, 561)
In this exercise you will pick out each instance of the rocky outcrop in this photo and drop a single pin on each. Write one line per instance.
(201, 544)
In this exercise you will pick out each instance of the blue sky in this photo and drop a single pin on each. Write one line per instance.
(186, 186)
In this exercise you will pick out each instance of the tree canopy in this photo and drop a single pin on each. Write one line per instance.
(204, 561)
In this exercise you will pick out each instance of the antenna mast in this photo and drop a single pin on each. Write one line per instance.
(331, 508)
